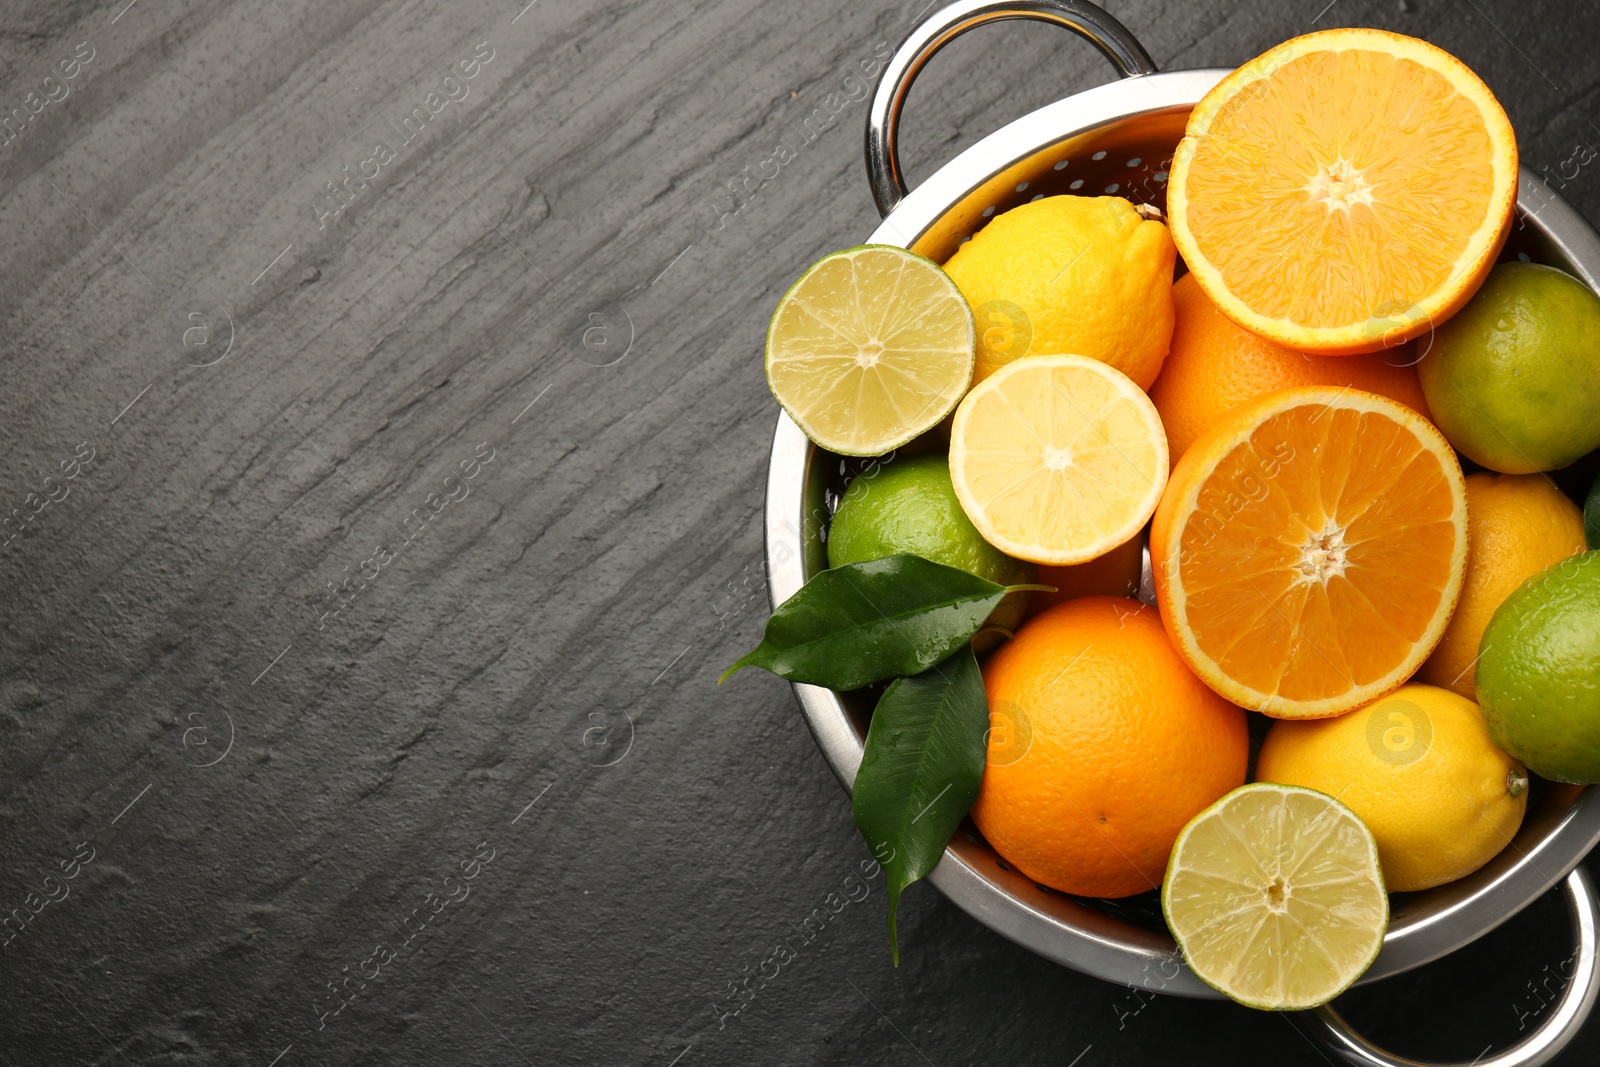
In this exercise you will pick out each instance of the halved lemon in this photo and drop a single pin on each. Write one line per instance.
(871, 347)
(1309, 550)
(1275, 896)
(1057, 459)
(1344, 191)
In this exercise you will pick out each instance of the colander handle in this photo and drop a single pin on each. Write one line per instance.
(1543, 1045)
(944, 26)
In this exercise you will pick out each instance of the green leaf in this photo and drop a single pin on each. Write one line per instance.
(1591, 513)
(920, 772)
(864, 622)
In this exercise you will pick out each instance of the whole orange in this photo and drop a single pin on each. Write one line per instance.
(1102, 745)
(1114, 574)
(1214, 365)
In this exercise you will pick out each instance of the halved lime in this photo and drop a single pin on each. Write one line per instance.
(1275, 896)
(871, 347)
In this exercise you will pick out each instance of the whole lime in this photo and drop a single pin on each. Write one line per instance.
(1512, 379)
(1539, 671)
(910, 505)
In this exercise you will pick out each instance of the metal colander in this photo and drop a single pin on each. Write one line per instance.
(1118, 139)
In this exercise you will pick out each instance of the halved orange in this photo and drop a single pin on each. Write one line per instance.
(1344, 191)
(1309, 549)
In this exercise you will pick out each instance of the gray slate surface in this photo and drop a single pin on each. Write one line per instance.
(268, 789)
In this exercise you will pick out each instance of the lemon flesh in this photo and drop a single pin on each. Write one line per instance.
(1275, 896)
(1058, 459)
(870, 348)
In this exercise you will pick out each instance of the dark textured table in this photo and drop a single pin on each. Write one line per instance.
(384, 434)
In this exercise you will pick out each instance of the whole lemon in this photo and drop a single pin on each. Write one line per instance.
(1517, 525)
(1102, 745)
(1512, 379)
(1419, 768)
(1070, 275)
(1539, 673)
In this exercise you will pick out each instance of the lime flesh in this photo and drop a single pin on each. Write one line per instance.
(1275, 896)
(870, 348)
